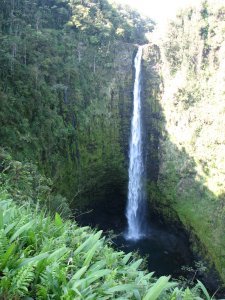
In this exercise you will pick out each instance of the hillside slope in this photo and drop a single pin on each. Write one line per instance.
(66, 91)
(44, 258)
(189, 123)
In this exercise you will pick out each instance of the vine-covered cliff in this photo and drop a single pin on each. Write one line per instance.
(66, 91)
(188, 113)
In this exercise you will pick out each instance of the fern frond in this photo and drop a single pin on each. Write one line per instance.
(22, 281)
(42, 292)
(3, 243)
(7, 256)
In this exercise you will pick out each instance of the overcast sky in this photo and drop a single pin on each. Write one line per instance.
(159, 10)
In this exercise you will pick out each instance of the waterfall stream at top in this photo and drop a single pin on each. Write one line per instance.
(135, 211)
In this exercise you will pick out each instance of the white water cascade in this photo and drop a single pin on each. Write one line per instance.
(135, 211)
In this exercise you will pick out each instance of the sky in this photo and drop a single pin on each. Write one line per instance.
(159, 10)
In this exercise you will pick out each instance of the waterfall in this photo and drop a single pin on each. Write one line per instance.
(135, 211)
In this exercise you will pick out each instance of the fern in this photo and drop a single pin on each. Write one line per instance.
(8, 256)
(3, 243)
(43, 288)
(6, 251)
(42, 292)
(22, 280)
(51, 259)
(52, 279)
(5, 282)
(1, 219)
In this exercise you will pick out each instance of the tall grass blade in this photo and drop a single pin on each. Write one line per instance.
(34, 259)
(78, 274)
(161, 285)
(204, 290)
(58, 220)
(23, 228)
(90, 241)
(122, 288)
(90, 254)
(126, 258)
(57, 254)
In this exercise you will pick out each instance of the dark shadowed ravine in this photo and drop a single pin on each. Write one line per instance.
(167, 248)
(165, 251)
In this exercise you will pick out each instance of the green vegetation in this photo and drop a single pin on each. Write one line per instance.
(65, 96)
(24, 183)
(191, 179)
(44, 258)
(65, 90)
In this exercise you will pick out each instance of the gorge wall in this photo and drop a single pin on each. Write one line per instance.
(66, 93)
(186, 138)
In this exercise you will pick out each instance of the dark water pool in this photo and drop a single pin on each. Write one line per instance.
(165, 247)
(165, 252)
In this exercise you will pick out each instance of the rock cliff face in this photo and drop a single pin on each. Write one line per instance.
(72, 117)
(100, 171)
(185, 90)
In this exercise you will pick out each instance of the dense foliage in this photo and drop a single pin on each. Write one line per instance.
(191, 180)
(62, 90)
(25, 184)
(42, 258)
